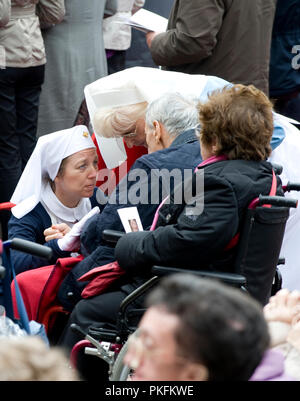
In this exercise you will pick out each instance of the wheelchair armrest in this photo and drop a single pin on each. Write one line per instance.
(277, 168)
(112, 235)
(292, 186)
(231, 278)
(277, 201)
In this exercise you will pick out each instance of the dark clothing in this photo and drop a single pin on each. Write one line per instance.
(31, 227)
(285, 59)
(188, 240)
(182, 240)
(230, 39)
(20, 90)
(183, 154)
(285, 37)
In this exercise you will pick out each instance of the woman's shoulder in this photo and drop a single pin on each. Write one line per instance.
(38, 216)
(240, 167)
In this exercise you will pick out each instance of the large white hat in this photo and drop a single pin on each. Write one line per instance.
(131, 86)
(44, 162)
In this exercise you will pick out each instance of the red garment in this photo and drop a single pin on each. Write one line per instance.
(39, 287)
(119, 172)
(100, 279)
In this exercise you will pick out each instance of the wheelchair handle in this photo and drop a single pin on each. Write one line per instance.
(112, 235)
(277, 201)
(277, 168)
(29, 247)
(291, 186)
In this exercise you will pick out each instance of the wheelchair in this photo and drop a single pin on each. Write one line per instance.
(7, 274)
(255, 270)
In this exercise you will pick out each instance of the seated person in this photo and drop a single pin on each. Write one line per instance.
(197, 329)
(236, 129)
(57, 187)
(285, 141)
(173, 151)
(283, 316)
(28, 358)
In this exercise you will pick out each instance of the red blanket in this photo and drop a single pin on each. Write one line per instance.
(39, 287)
(100, 279)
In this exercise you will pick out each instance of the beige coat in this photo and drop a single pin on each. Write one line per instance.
(230, 39)
(20, 33)
(118, 36)
(4, 12)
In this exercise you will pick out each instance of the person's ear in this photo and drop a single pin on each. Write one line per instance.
(214, 146)
(195, 372)
(157, 131)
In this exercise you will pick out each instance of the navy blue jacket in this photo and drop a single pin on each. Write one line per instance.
(284, 77)
(183, 154)
(31, 227)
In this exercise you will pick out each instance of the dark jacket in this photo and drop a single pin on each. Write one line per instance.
(285, 50)
(183, 154)
(31, 227)
(188, 240)
(230, 39)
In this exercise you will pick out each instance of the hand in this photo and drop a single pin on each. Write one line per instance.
(283, 306)
(149, 37)
(71, 241)
(56, 231)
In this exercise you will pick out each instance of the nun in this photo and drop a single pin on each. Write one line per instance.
(56, 191)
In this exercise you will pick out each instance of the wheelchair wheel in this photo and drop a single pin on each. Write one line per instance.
(120, 372)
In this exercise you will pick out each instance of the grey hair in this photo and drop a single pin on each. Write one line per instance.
(113, 122)
(176, 112)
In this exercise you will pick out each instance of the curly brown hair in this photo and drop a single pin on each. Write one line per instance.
(239, 120)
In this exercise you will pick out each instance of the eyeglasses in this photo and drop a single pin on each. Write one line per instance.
(128, 135)
(143, 347)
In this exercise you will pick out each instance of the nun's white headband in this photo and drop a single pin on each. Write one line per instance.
(44, 163)
(131, 86)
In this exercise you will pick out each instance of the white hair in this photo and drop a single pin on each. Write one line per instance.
(113, 122)
(176, 112)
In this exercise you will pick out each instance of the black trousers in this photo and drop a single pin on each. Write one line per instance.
(20, 90)
(99, 311)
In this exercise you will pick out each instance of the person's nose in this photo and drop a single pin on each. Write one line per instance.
(92, 171)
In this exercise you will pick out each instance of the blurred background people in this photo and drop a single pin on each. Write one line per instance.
(76, 57)
(138, 54)
(117, 37)
(285, 59)
(28, 358)
(230, 39)
(197, 330)
(21, 77)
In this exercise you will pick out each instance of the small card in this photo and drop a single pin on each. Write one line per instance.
(130, 219)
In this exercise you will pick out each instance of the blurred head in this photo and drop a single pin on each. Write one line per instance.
(127, 122)
(237, 122)
(167, 117)
(28, 358)
(197, 329)
(76, 178)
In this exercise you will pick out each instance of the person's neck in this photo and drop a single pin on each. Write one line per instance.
(67, 200)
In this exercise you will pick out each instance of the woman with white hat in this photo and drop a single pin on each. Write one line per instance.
(55, 191)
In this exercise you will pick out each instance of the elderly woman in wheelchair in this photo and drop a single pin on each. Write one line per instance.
(202, 231)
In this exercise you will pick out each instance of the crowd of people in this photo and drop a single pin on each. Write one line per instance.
(188, 146)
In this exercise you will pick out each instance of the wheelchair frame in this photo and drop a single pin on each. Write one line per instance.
(111, 345)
